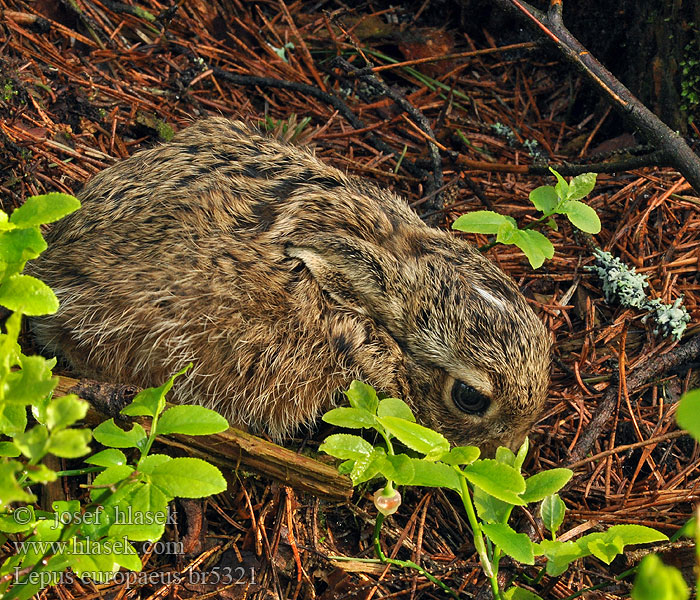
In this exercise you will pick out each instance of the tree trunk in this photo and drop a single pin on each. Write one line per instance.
(652, 47)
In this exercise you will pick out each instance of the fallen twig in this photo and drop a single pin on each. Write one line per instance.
(228, 449)
(672, 146)
(652, 368)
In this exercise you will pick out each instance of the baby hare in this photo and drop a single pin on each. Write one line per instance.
(283, 279)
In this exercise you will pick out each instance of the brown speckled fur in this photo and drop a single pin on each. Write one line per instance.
(283, 279)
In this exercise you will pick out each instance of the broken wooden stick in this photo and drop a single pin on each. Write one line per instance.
(230, 449)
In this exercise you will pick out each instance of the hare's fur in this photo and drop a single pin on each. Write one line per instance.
(283, 279)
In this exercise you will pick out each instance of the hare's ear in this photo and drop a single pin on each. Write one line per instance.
(357, 274)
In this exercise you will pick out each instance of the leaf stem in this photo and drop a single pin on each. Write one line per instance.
(530, 225)
(406, 564)
(478, 536)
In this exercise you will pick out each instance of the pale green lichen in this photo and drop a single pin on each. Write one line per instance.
(671, 319)
(505, 132)
(623, 285)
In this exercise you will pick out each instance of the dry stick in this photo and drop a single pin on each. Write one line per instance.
(228, 449)
(674, 149)
(653, 368)
(470, 54)
(418, 118)
(334, 101)
(657, 158)
(666, 437)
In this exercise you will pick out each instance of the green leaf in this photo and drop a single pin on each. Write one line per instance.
(461, 455)
(394, 407)
(47, 208)
(368, 467)
(17, 247)
(27, 295)
(633, 534)
(191, 420)
(34, 442)
(605, 549)
(21, 519)
(32, 383)
(10, 490)
(656, 581)
(41, 474)
(399, 468)
(582, 216)
(480, 221)
(94, 559)
(516, 545)
(545, 199)
(688, 530)
(66, 512)
(560, 555)
(516, 593)
(129, 559)
(688, 413)
(140, 514)
(434, 474)
(70, 443)
(13, 419)
(64, 411)
(608, 544)
(188, 478)
(418, 438)
(151, 401)
(501, 481)
(561, 188)
(100, 560)
(362, 396)
(490, 509)
(109, 477)
(9, 449)
(344, 445)
(352, 418)
(42, 575)
(545, 483)
(508, 232)
(148, 463)
(111, 457)
(108, 433)
(535, 245)
(552, 511)
(522, 454)
(506, 456)
(581, 185)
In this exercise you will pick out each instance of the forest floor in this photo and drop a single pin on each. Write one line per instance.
(86, 83)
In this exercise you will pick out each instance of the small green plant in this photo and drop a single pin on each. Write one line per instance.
(7, 91)
(282, 51)
(287, 130)
(489, 488)
(128, 499)
(563, 198)
(655, 580)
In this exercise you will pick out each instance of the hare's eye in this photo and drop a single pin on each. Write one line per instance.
(468, 399)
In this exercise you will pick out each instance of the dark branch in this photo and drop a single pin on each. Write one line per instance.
(669, 143)
(332, 100)
(433, 192)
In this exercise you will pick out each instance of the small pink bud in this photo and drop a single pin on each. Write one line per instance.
(387, 505)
